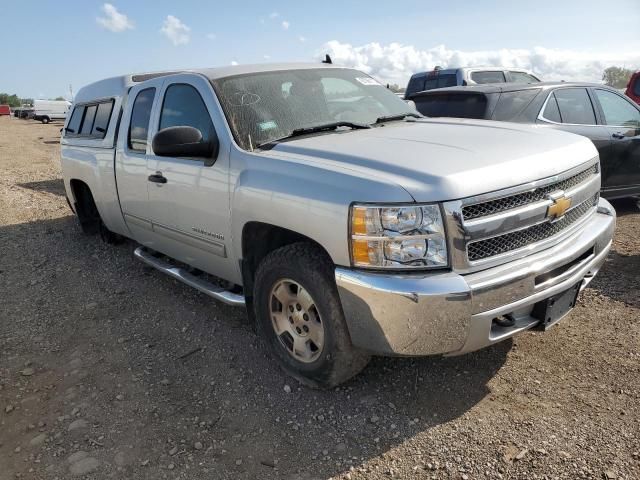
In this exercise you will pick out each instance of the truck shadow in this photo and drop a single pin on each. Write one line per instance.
(193, 369)
(55, 186)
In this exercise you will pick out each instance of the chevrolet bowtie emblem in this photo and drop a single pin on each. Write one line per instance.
(559, 207)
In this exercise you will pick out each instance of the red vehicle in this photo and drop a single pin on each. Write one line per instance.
(633, 88)
(5, 110)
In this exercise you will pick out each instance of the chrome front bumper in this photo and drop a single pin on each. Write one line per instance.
(452, 314)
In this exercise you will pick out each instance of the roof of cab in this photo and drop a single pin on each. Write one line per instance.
(117, 86)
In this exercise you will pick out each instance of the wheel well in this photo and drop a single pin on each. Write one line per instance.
(258, 240)
(85, 206)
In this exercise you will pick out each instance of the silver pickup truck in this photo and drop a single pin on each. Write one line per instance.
(347, 223)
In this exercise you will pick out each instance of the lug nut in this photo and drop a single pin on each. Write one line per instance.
(298, 307)
(291, 320)
(306, 329)
(306, 317)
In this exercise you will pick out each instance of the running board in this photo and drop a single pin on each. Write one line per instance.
(182, 275)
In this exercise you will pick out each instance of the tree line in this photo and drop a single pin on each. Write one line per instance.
(14, 101)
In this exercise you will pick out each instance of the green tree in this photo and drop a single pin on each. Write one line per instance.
(12, 100)
(617, 77)
(59, 98)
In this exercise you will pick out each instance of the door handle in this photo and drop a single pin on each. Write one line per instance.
(618, 135)
(157, 178)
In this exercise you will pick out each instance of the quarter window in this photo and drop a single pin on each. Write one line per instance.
(488, 77)
(575, 106)
(618, 111)
(183, 106)
(140, 115)
(551, 111)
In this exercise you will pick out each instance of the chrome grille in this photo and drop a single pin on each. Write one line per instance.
(522, 238)
(513, 201)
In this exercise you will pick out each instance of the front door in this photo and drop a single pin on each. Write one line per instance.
(622, 120)
(189, 206)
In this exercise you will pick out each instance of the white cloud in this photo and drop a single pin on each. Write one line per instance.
(396, 62)
(175, 30)
(211, 36)
(233, 62)
(285, 25)
(274, 15)
(266, 57)
(302, 39)
(113, 19)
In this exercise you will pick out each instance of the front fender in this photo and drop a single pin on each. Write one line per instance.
(305, 197)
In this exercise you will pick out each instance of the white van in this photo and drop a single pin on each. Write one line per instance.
(47, 110)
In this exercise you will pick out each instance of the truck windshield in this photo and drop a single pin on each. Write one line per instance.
(263, 107)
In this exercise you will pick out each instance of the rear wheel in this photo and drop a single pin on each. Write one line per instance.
(89, 217)
(45, 120)
(299, 315)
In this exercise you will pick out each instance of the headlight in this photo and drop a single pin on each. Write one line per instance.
(398, 237)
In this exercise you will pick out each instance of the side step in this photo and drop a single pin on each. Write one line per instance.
(181, 274)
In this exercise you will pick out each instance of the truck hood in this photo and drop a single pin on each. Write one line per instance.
(445, 159)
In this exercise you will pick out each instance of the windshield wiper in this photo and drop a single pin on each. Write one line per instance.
(401, 116)
(315, 129)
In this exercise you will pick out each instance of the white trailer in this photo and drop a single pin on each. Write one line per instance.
(47, 110)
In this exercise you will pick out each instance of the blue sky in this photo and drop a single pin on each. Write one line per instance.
(49, 45)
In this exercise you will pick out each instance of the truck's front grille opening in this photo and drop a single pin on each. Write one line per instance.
(513, 201)
(556, 272)
(522, 238)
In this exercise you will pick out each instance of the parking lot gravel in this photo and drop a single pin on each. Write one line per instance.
(109, 369)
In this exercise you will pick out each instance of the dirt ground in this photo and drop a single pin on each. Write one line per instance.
(109, 369)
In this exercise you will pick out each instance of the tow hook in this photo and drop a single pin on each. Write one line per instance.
(506, 320)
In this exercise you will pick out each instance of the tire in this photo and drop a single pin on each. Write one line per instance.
(89, 218)
(308, 267)
(45, 120)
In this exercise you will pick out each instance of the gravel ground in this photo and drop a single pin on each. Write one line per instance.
(111, 370)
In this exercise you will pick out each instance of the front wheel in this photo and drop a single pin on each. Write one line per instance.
(45, 120)
(299, 315)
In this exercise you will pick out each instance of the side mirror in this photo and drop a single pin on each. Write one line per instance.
(183, 141)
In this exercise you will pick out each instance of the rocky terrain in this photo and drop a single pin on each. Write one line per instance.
(109, 369)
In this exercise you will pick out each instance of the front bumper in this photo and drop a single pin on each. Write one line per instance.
(452, 314)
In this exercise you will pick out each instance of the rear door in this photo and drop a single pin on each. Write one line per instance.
(134, 143)
(622, 120)
(190, 210)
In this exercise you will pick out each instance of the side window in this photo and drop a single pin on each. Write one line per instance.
(551, 111)
(636, 86)
(521, 77)
(488, 77)
(102, 119)
(618, 111)
(140, 115)
(575, 106)
(76, 117)
(183, 106)
(87, 123)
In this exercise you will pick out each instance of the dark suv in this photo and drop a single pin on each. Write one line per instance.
(602, 114)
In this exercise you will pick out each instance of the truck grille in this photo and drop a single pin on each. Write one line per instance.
(513, 201)
(512, 241)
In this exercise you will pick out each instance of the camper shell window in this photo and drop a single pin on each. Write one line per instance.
(90, 120)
